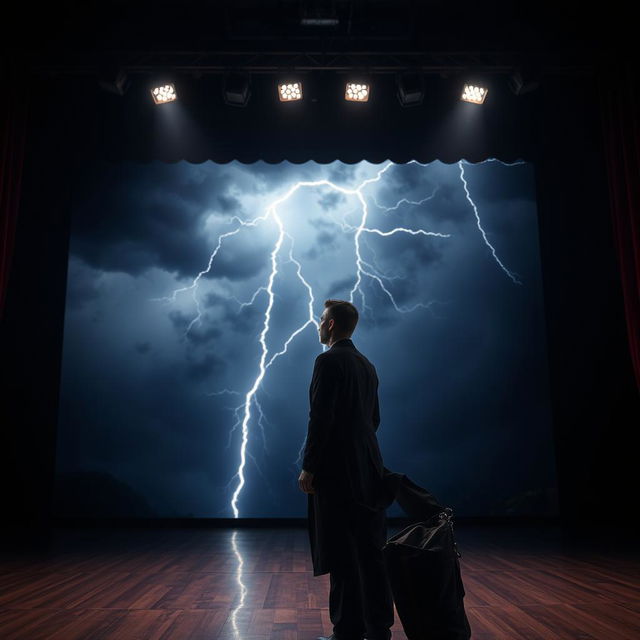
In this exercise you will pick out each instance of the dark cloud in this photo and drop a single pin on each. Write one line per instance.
(142, 347)
(239, 260)
(331, 200)
(405, 254)
(338, 287)
(410, 176)
(206, 330)
(133, 217)
(244, 320)
(327, 240)
(407, 181)
(198, 335)
(324, 241)
(502, 218)
(212, 300)
(229, 204)
(179, 320)
(341, 173)
(383, 318)
(205, 368)
(125, 256)
(449, 203)
(493, 181)
(322, 223)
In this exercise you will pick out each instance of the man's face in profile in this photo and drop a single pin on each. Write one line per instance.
(324, 328)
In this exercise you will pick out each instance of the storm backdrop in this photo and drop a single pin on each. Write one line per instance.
(193, 296)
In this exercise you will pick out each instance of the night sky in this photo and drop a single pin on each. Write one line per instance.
(156, 369)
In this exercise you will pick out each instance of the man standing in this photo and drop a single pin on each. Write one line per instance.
(342, 471)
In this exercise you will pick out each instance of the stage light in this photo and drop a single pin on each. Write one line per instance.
(289, 91)
(474, 94)
(410, 88)
(236, 89)
(357, 92)
(164, 93)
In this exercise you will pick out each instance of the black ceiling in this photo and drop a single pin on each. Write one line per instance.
(268, 35)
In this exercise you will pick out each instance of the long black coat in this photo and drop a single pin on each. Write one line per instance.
(342, 448)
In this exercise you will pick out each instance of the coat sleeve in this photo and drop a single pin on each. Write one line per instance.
(323, 398)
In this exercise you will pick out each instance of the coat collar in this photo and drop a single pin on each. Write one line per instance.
(344, 342)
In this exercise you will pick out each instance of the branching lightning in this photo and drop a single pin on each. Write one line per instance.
(283, 252)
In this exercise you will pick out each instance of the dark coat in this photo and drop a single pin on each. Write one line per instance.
(342, 449)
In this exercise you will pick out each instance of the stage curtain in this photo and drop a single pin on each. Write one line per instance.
(13, 127)
(618, 89)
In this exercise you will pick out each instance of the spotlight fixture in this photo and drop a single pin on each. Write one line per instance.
(410, 88)
(357, 92)
(474, 94)
(164, 93)
(290, 91)
(236, 89)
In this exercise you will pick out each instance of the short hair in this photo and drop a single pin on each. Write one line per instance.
(344, 314)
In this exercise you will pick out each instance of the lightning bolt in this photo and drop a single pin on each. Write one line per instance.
(484, 235)
(414, 203)
(365, 270)
(194, 285)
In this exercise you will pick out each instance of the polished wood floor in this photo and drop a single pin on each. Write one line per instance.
(257, 584)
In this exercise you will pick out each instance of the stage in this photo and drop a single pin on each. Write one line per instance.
(539, 582)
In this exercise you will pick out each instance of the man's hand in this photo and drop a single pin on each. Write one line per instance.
(305, 481)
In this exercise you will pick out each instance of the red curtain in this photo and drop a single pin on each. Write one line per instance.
(13, 127)
(621, 130)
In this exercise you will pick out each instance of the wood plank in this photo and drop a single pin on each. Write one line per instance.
(252, 584)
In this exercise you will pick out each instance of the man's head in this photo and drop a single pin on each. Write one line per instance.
(338, 321)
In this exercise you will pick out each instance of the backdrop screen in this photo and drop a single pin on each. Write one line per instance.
(193, 297)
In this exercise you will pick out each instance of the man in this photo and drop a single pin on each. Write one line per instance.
(342, 472)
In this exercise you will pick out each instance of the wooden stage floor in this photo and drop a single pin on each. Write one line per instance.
(522, 582)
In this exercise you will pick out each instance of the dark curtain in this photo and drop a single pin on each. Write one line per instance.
(621, 130)
(13, 127)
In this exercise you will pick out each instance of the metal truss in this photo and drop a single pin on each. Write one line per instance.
(273, 62)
